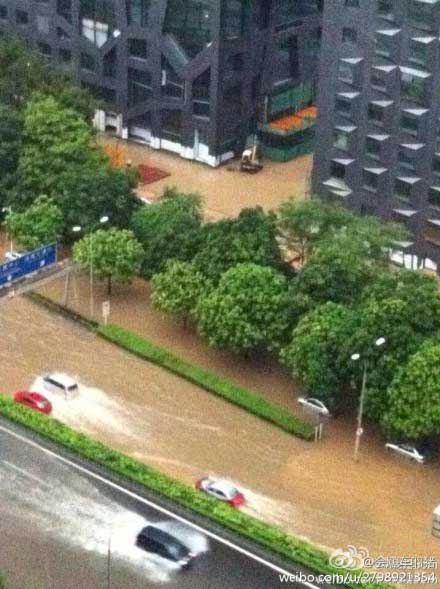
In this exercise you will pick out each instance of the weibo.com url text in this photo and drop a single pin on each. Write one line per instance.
(421, 578)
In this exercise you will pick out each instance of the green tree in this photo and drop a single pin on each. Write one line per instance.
(10, 143)
(251, 237)
(335, 272)
(114, 253)
(388, 318)
(315, 354)
(168, 229)
(414, 396)
(40, 224)
(178, 288)
(247, 311)
(23, 71)
(303, 223)
(60, 159)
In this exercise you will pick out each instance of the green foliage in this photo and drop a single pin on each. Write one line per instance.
(168, 229)
(114, 253)
(178, 288)
(316, 352)
(40, 224)
(23, 71)
(303, 223)
(59, 159)
(251, 237)
(247, 311)
(268, 536)
(335, 272)
(246, 399)
(419, 291)
(10, 143)
(388, 318)
(414, 396)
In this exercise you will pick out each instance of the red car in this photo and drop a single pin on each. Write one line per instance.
(222, 490)
(33, 400)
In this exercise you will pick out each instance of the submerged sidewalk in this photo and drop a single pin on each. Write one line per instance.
(314, 490)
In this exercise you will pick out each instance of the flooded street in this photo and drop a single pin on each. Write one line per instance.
(313, 490)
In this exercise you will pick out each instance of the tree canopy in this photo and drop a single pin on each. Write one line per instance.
(247, 311)
(414, 396)
(40, 224)
(168, 229)
(114, 253)
(250, 237)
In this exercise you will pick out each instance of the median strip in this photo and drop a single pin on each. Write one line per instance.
(146, 350)
(270, 537)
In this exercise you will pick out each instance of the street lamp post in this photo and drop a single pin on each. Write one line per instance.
(9, 211)
(76, 229)
(359, 429)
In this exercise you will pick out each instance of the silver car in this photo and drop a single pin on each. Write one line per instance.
(314, 405)
(408, 451)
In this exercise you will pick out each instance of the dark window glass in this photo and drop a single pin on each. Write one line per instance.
(22, 17)
(3, 12)
(87, 62)
(349, 35)
(189, 22)
(137, 48)
(137, 12)
(409, 123)
(139, 86)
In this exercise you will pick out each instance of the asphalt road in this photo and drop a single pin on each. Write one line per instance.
(58, 526)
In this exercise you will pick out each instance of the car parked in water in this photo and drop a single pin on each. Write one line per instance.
(11, 255)
(153, 539)
(408, 451)
(222, 490)
(33, 401)
(314, 405)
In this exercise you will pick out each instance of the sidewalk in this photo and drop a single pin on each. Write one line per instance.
(314, 490)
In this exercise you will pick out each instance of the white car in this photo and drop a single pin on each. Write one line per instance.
(60, 383)
(222, 490)
(10, 255)
(314, 405)
(408, 451)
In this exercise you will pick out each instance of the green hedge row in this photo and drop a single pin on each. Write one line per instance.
(209, 381)
(295, 550)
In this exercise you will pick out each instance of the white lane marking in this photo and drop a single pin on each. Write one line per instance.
(156, 507)
(26, 473)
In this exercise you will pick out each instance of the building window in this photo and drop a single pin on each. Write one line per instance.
(402, 189)
(370, 180)
(3, 12)
(385, 9)
(409, 123)
(436, 166)
(352, 3)
(43, 24)
(434, 196)
(172, 125)
(22, 17)
(376, 113)
(373, 148)
(422, 14)
(418, 51)
(137, 48)
(234, 18)
(412, 84)
(139, 86)
(61, 33)
(346, 71)
(343, 106)
(200, 94)
(87, 62)
(287, 12)
(44, 49)
(97, 20)
(287, 60)
(349, 35)
(64, 9)
(173, 85)
(337, 170)
(406, 159)
(137, 12)
(387, 43)
(65, 55)
(189, 22)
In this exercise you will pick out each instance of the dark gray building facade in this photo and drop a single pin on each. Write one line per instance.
(196, 77)
(378, 142)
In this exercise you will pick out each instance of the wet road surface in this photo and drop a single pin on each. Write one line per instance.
(62, 523)
(317, 491)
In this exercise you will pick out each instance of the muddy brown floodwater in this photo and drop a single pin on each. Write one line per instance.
(314, 490)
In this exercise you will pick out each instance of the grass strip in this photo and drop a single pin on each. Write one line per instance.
(270, 537)
(244, 398)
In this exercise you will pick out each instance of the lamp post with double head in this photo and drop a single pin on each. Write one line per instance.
(359, 430)
(104, 219)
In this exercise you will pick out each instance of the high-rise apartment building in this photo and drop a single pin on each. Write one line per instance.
(197, 77)
(378, 143)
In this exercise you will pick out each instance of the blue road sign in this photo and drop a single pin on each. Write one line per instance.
(27, 263)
